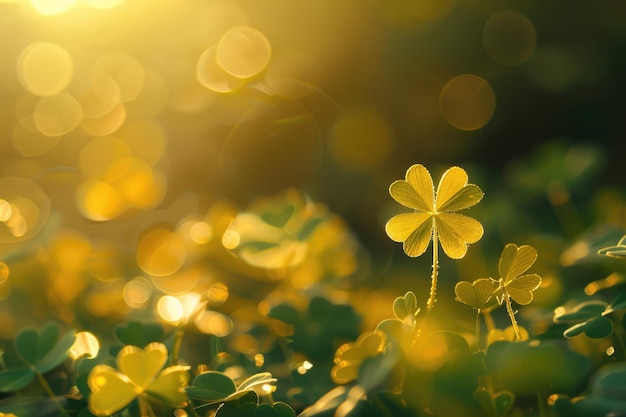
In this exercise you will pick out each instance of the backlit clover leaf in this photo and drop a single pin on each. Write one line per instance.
(434, 216)
(350, 356)
(513, 285)
(591, 317)
(139, 375)
(403, 326)
(617, 251)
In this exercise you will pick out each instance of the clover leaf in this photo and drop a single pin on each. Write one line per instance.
(139, 334)
(405, 307)
(477, 294)
(435, 212)
(44, 349)
(590, 317)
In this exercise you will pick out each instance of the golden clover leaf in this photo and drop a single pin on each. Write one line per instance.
(435, 212)
(476, 294)
(350, 356)
(514, 261)
(140, 373)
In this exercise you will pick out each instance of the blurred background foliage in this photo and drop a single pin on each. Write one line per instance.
(224, 164)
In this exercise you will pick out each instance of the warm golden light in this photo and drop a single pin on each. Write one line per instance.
(4, 273)
(45, 68)
(57, 115)
(201, 232)
(213, 77)
(137, 292)
(5, 210)
(212, 322)
(170, 309)
(243, 52)
(97, 200)
(161, 252)
(467, 102)
(362, 140)
(86, 344)
(52, 7)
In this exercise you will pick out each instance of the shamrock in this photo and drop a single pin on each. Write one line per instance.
(514, 261)
(434, 215)
(476, 294)
(140, 375)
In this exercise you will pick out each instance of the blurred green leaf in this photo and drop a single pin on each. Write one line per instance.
(278, 409)
(43, 349)
(588, 317)
(211, 386)
(139, 334)
(15, 379)
(497, 404)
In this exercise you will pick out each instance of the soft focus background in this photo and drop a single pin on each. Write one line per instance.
(134, 132)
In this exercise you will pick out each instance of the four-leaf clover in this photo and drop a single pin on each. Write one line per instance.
(434, 216)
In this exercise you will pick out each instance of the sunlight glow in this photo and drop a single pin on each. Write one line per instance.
(45, 68)
(52, 7)
(137, 292)
(170, 309)
(86, 344)
(161, 252)
(4, 272)
(243, 52)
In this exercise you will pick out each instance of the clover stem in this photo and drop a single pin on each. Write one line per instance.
(433, 283)
(46, 387)
(478, 330)
(178, 340)
(491, 325)
(509, 309)
(541, 403)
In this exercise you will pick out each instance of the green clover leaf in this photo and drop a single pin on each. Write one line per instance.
(139, 334)
(405, 306)
(590, 317)
(44, 349)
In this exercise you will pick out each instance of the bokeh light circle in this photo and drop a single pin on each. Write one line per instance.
(467, 102)
(509, 37)
(213, 77)
(27, 212)
(45, 68)
(57, 115)
(243, 52)
(161, 252)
